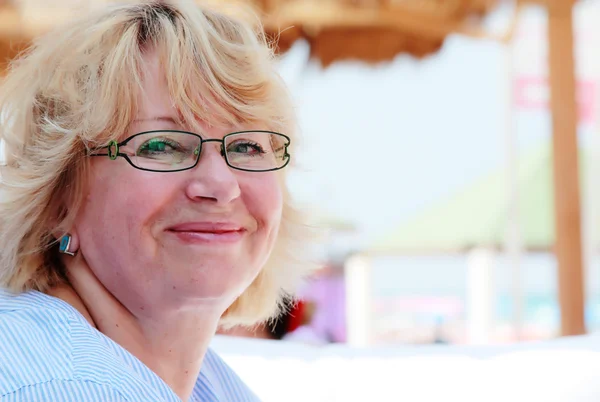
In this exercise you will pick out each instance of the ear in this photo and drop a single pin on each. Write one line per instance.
(68, 241)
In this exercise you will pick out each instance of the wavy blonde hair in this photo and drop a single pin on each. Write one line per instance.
(76, 89)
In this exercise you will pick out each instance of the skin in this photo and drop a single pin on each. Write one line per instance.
(158, 291)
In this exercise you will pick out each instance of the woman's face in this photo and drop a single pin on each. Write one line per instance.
(201, 234)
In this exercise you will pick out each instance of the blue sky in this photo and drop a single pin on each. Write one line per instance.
(381, 142)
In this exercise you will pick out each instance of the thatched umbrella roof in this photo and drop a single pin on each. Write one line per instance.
(371, 30)
(368, 30)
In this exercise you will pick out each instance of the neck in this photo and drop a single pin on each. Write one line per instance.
(171, 344)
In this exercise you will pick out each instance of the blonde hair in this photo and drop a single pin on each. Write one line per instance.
(76, 88)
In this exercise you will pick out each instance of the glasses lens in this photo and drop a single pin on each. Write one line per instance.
(163, 150)
(256, 151)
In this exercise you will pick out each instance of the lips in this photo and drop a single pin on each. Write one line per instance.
(208, 232)
(207, 227)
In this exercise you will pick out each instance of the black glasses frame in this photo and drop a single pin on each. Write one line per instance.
(113, 149)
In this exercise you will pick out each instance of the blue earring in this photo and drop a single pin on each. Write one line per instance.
(65, 242)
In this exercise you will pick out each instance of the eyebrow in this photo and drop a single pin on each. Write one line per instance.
(158, 118)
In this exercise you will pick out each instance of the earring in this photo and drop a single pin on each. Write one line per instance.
(65, 242)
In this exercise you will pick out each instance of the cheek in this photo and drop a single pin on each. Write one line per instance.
(263, 197)
(116, 208)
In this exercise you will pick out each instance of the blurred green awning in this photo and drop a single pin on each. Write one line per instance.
(476, 215)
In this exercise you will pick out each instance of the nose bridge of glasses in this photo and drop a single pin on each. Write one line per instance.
(221, 145)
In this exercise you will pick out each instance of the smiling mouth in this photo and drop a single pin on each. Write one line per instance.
(207, 233)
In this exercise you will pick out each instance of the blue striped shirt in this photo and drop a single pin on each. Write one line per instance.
(49, 352)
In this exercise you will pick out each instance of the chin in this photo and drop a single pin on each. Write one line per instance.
(221, 282)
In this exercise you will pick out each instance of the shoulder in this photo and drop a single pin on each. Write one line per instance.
(223, 381)
(34, 341)
(65, 391)
(48, 350)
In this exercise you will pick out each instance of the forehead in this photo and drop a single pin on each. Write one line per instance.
(157, 108)
(154, 98)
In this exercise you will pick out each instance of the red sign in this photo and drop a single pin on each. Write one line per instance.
(533, 92)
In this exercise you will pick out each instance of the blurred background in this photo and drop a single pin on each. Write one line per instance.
(449, 149)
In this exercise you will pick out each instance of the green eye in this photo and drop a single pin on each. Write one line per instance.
(159, 146)
(245, 147)
(154, 145)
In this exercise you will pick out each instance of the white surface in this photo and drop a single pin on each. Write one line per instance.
(480, 295)
(357, 274)
(564, 370)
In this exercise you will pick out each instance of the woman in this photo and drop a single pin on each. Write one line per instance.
(143, 205)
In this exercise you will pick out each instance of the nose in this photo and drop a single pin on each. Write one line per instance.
(213, 180)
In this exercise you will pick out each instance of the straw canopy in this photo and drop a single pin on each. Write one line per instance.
(367, 30)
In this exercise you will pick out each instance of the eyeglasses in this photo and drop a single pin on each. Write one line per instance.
(174, 150)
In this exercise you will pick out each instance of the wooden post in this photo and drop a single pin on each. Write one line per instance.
(566, 169)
